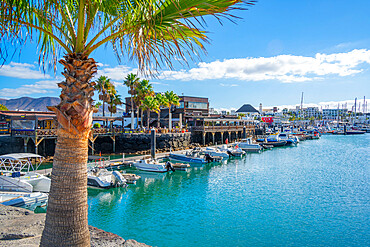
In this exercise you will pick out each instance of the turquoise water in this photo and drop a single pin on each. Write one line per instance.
(315, 194)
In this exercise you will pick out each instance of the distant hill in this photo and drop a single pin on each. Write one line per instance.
(27, 103)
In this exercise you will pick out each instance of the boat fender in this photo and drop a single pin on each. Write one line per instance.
(169, 166)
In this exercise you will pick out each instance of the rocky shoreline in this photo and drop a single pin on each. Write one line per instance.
(21, 227)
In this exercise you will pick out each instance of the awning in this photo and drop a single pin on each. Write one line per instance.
(18, 156)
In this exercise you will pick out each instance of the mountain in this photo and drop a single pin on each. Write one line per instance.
(27, 103)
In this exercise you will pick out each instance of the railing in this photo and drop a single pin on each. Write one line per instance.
(220, 128)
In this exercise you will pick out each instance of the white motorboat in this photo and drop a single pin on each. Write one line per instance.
(104, 179)
(234, 150)
(18, 173)
(213, 152)
(290, 139)
(24, 200)
(152, 165)
(248, 145)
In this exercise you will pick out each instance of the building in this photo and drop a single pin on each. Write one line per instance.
(311, 112)
(333, 113)
(248, 110)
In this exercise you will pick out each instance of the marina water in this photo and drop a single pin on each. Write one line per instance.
(315, 194)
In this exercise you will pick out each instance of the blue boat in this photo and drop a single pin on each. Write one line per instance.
(187, 158)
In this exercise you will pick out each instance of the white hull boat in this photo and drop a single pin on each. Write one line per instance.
(18, 173)
(234, 151)
(24, 200)
(215, 153)
(150, 165)
(247, 145)
(104, 179)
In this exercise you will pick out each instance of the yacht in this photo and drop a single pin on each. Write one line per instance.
(104, 179)
(24, 199)
(247, 145)
(18, 173)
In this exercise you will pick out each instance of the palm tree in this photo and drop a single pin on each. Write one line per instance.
(162, 101)
(151, 32)
(143, 89)
(150, 104)
(131, 81)
(3, 108)
(106, 89)
(114, 102)
(172, 99)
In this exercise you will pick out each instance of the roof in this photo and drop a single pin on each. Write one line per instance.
(18, 156)
(247, 108)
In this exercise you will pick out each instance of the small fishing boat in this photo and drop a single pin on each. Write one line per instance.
(104, 179)
(247, 145)
(24, 200)
(151, 165)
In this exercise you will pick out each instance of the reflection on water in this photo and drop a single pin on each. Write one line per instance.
(315, 194)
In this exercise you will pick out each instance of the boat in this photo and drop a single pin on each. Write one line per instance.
(104, 179)
(180, 166)
(18, 173)
(24, 199)
(234, 150)
(130, 177)
(213, 152)
(291, 140)
(247, 145)
(192, 156)
(152, 165)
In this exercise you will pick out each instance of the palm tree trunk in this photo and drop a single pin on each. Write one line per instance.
(132, 112)
(169, 118)
(66, 217)
(159, 119)
(137, 116)
(148, 118)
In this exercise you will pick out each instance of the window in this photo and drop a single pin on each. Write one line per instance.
(196, 105)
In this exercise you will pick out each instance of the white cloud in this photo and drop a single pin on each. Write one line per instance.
(39, 87)
(117, 73)
(228, 85)
(285, 68)
(22, 71)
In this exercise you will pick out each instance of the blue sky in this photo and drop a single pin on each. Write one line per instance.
(276, 51)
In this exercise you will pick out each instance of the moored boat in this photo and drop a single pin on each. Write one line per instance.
(104, 179)
(151, 165)
(18, 173)
(24, 200)
(247, 145)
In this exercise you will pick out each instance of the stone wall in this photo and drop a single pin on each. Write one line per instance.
(140, 143)
(125, 143)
